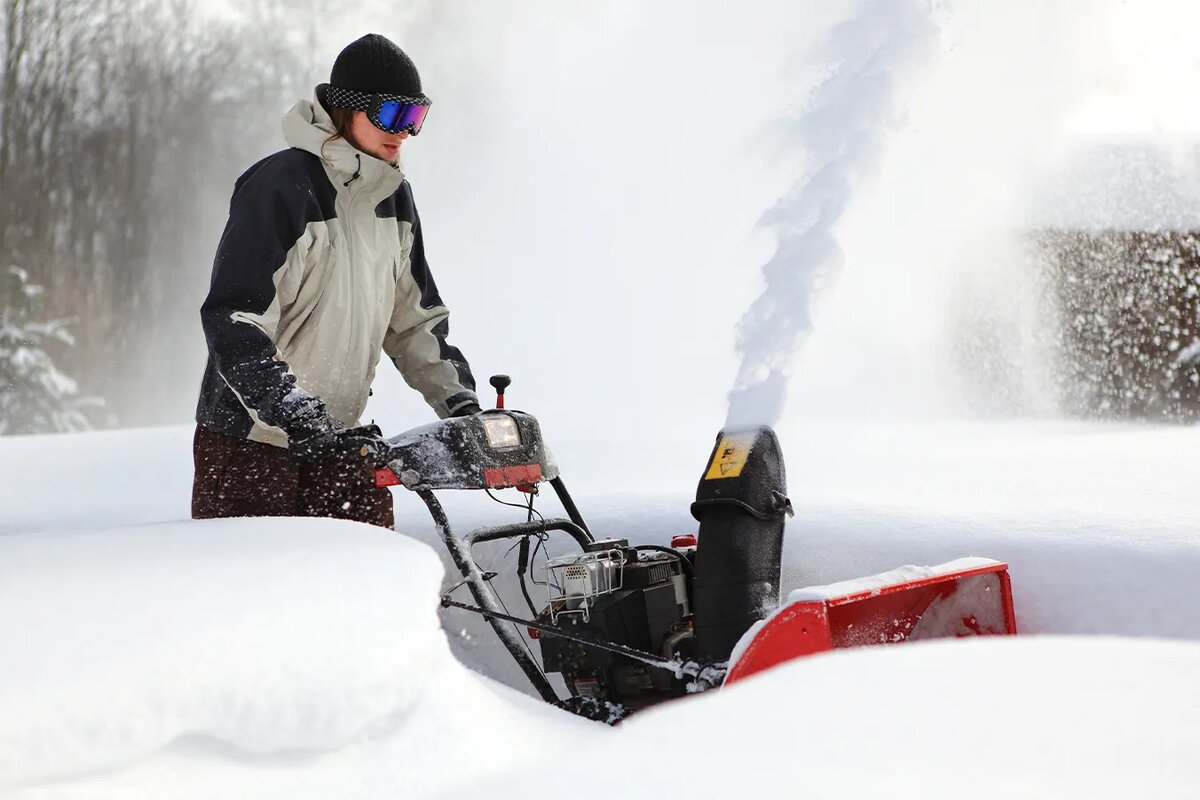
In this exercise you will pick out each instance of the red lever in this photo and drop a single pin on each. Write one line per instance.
(386, 477)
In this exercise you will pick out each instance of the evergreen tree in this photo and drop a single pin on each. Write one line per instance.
(35, 397)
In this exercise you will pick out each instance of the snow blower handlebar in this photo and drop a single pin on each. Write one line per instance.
(494, 449)
(485, 599)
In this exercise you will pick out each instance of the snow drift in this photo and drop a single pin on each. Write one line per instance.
(252, 640)
(997, 717)
(233, 629)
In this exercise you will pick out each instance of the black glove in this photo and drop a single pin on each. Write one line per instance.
(467, 410)
(365, 441)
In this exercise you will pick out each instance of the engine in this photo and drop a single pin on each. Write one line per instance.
(688, 602)
(637, 597)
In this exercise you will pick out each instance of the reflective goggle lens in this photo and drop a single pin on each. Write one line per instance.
(395, 116)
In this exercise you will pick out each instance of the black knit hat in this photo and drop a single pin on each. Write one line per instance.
(375, 65)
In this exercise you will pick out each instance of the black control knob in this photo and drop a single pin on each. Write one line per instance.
(500, 383)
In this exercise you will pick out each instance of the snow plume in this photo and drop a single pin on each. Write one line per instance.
(842, 129)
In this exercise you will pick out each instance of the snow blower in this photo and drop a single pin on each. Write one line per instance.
(628, 625)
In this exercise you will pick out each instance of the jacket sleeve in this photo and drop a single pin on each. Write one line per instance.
(255, 270)
(416, 336)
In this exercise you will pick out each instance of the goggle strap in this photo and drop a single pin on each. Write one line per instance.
(337, 97)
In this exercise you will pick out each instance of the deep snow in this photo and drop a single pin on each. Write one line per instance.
(154, 656)
(984, 718)
(239, 658)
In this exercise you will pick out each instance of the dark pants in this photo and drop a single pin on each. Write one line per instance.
(240, 478)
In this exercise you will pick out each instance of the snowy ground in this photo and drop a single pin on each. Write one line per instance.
(153, 656)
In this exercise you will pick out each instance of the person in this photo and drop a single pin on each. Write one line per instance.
(321, 267)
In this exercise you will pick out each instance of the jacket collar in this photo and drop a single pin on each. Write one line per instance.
(307, 126)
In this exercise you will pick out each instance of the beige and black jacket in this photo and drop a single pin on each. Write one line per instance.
(321, 268)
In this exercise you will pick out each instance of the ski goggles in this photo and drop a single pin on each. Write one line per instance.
(392, 113)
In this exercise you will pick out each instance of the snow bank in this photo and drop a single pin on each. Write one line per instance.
(996, 717)
(262, 658)
(262, 635)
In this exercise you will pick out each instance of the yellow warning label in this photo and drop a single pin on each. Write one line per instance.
(730, 457)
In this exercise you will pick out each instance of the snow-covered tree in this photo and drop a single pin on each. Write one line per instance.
(35, 396)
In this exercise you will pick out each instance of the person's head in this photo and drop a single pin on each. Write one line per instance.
(374, 97)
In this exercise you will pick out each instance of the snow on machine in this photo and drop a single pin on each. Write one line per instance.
(628, 625)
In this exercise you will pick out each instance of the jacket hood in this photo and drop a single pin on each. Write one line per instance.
(308, 126)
